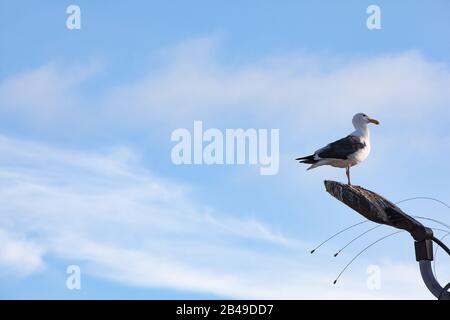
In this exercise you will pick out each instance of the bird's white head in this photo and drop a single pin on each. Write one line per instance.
(360, 122)
(362, 118)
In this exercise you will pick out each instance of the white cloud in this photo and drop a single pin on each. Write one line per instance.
(191, 82)
(48, 94)
(292, 89)
(119, 222)
(19, 256)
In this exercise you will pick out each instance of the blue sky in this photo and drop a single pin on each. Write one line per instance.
(86, 117)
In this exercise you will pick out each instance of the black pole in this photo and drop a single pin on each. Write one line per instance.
(430, 281)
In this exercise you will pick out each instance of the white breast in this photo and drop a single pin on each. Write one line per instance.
(361, 154)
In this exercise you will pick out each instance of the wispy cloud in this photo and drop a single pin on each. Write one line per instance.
(78, 202)
(291, 89)
(113, 217)
(19, 256)
(191, 83)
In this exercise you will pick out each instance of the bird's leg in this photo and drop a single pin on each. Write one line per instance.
(347, 172)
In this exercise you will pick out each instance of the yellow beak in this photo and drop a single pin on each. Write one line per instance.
(374, 121)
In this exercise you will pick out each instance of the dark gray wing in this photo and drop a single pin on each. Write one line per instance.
(342, 148)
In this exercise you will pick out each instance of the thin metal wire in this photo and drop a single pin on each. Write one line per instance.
(373, 228)
(424, 198)
(338, 233)
(356, 238)
(362, 251)
(434, 220)
(435, 254)
(367, 247)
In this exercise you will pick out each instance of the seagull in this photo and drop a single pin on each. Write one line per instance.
(346, 152)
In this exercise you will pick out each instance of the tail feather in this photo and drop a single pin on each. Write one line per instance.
(308, 159)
